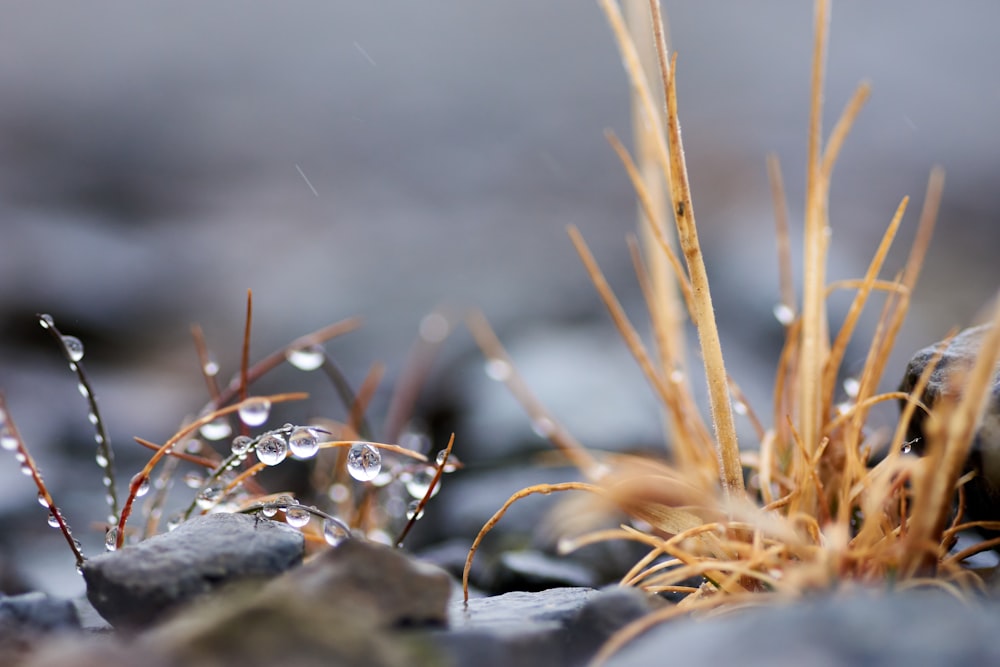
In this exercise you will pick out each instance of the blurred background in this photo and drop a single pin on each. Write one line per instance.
(382, 159)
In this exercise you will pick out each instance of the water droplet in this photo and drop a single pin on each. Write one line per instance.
(42, 500)
(82, 388)
(241, 444)
(740, 408)
(498, 369)
(364, 461)
(211, 367)
(20, 457)
(411, 510)
(843, 408)
(46, 321)
(25, 470)
(99, 438)
(216, 429)
(72, 366)
(92, 418)
(208, 497)
(174, 521)
(8, 441)
(193, 480)
(908, 446)
(334, 533)
(297, 517)
(254, 411)
(434, 328)
(307, 358)
(677, 376)
(338, 493)
(269, 510)
(303, 443)
(418, 485)
(143, 482)
(101, 459)
(111, 539)
(112, 520)
(440, 458)
(74, 348)
(271, 449)
(53, 520)
(852, 386)
(784, 314)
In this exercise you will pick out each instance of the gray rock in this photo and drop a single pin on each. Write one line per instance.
(983, 492)
(36, 612)
(917, 629)
(399, 590)
(25, 619)
(562, 626)
(347, 606)
(137, 585)
(530, 570)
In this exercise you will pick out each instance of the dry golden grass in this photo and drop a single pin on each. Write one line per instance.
(816, 512)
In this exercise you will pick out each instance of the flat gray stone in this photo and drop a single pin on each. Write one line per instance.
(137, 585)
(561, 626)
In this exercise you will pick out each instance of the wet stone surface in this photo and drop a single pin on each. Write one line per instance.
(137, 585)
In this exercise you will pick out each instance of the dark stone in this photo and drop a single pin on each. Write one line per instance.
(357, 604)
(450, 556)
(36, 612)
(137, 585)
(534, 571)
(917, 629)
(562, 626)
(25, 619)
(983, 492)
(398, 589)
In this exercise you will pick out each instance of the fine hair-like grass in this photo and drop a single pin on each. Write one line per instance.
(816, 511)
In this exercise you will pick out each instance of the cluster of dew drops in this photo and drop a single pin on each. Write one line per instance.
(364, 460)
(8, 441)
(272, 447)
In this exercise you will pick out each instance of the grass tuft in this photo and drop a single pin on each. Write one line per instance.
(808, 508)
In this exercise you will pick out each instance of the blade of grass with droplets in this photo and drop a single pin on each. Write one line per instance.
(144, 474)
(73, 350)
(281, 355)
(780, 203)
(419, 509)
(8, 429)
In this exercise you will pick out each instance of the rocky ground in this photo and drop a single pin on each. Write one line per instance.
(232, 590)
